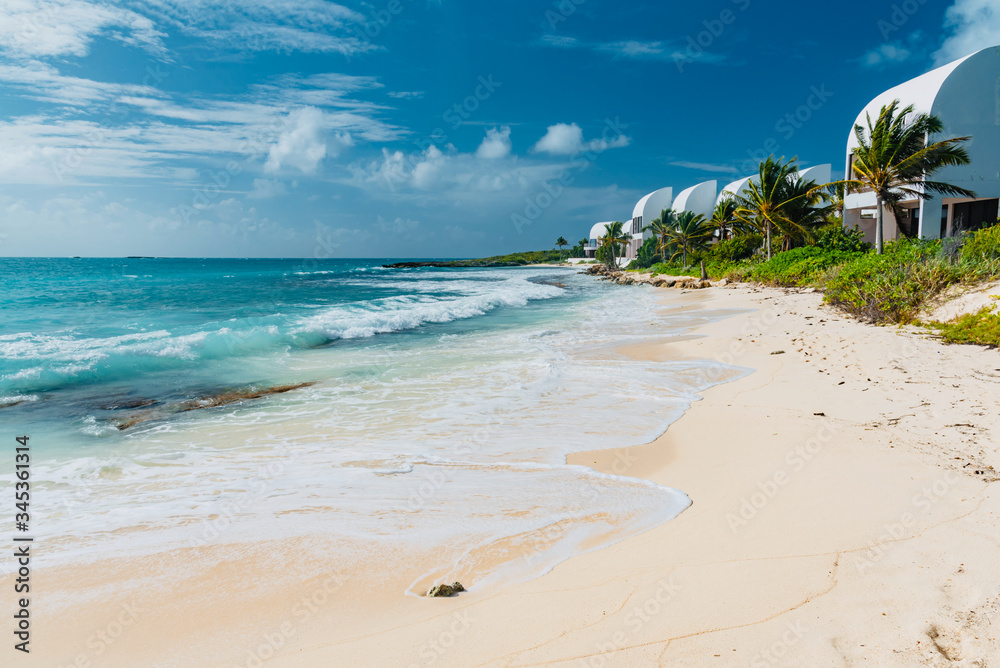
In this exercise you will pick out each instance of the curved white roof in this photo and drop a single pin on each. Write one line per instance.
(921, 92)
(737, 187)
(597, 231)
(821, 174)
(658, 199)
(698, 199)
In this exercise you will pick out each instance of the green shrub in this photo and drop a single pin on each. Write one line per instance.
(738, 271)
(891, 287)
(799, 266)
(735, 249)
(672, 269)
(839, 238)
(982, 246)
(647, 255)
(982, 328)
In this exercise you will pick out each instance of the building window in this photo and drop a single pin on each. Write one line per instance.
(971, 216)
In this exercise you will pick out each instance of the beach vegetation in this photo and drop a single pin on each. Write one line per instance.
(648, 254)
(736, 248)
(560, 242)
(691, 234)
(613, 242)
(890, 287)
(981, 328)
(660, 227)
(802, 266)
(724, 218)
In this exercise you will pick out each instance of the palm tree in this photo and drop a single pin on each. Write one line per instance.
(778, 199)
(724, 216)
(661, 227)
(808, 207)
(560, 242)
(691, 234)
(894, 159)
(614, 235)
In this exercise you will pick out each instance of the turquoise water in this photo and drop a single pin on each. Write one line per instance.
(81, 335)
(441, 408)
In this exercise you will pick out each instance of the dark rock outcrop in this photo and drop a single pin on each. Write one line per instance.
(636, 278)
(221, 398)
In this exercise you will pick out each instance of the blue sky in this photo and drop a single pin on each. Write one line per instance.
(419, 128)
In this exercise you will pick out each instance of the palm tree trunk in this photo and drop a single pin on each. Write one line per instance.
(704, 274)
(878, 225)
(767, 235)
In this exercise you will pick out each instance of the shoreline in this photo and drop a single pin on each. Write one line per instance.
(823, 538)
(862, 542)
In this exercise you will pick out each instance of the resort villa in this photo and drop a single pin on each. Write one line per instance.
(701, 199)
(596, 234)
(646, 211)
(965, 95)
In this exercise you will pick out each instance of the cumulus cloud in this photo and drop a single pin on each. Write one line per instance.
(972, 25)
(567, 139)
(495, 145)
(303, 143)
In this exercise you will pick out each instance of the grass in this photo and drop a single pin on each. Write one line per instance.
(981, 328)
(891, 288)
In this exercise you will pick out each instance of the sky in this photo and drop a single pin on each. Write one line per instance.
(420, 128)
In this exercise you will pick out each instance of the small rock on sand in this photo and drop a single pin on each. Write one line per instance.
(438, 591)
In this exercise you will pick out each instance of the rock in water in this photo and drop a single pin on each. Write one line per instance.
(445, 590)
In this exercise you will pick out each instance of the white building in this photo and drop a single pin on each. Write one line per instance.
(821, 174)
(737, 187)
(646, 211)
(698, 199)
(596, 234)
(965, 95)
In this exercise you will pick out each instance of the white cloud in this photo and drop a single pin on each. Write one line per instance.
(567, 139)
(397, 226)
(635, 49)
(448, 171)
(973, 25)
(705, 166)
(267, 189)
(37, 81)
(311, 26)
(302, 142)
(631, 48)
(886, 54)
(406, 94)
(561, 139)
(112, 131)
(40, 28)
(495, 145)
(60, 28)
(561, 41)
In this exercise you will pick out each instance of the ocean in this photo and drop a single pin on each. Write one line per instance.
(425, 409)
